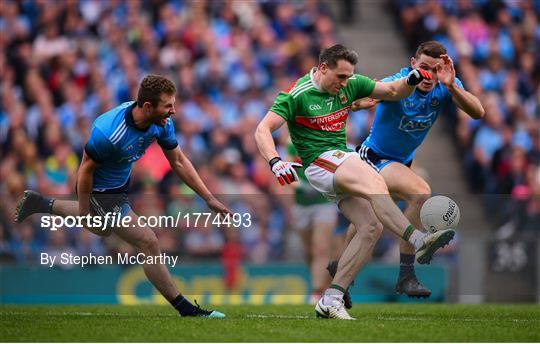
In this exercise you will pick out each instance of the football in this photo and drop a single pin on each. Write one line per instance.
(439, 213)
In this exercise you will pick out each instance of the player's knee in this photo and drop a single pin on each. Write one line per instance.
(424, 190)
(149, 244)
(375, 230)
(421, 192)
(371, 231)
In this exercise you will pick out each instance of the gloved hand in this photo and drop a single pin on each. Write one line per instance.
(284, 170)
(417, 75)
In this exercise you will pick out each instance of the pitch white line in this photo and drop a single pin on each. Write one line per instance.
(278, 316)
(89, 314)
(455, 319)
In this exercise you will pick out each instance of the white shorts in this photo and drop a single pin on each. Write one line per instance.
(306, 215)
(321, 173)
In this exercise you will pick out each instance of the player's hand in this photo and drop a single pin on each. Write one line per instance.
(445, 71)
(284, 170)
(218, 207)
(363, 104)
(417, 75)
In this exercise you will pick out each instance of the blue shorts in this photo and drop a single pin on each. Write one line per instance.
(110, 201)
(375, 160)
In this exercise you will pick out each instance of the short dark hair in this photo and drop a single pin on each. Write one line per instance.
(337, 52)
(151, 88)
(430, 48)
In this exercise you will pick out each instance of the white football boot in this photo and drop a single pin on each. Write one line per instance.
(335, 310)
(433, 242)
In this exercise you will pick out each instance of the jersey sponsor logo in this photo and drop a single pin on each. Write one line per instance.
(418, 123)
(315, 107)
(334, 121)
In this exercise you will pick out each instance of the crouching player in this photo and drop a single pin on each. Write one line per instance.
(118, 138)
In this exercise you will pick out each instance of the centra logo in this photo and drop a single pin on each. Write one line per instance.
(315, 107)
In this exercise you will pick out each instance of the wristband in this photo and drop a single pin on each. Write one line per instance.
(273, 161)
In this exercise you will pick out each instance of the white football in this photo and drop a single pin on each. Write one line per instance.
(439, 213)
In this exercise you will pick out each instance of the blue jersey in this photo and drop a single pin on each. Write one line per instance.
(115, 143)
(399, 127)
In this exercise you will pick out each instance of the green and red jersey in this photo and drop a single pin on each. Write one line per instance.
(316, 119)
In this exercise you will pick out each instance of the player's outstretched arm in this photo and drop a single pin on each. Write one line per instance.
(466, 101)
(364, 104)
(400, 88)
(185, 170)
(283, 170)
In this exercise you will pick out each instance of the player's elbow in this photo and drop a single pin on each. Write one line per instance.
(393, 92)
(260, 132)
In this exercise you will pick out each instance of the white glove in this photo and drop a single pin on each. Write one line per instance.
(284, 170)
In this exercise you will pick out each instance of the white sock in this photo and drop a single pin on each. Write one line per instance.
(331, 294)
(416, 239)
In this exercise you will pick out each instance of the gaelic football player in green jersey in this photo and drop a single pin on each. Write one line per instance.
(315, 109)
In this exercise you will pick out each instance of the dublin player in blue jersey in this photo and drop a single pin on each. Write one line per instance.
(118, 138)
(399, 127)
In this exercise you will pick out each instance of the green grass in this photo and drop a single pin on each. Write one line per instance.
(376, 323)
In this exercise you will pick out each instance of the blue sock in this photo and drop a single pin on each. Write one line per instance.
(182, 305)
(406, 265)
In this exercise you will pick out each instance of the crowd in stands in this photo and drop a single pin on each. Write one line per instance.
(495, 46)
(63, 63)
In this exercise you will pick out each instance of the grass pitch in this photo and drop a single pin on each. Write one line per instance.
(376, 323)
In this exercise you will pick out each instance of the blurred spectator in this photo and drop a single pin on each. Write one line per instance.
(231, 259)
(24, 246)
(59, 244)
(64, 63)
(204, 242)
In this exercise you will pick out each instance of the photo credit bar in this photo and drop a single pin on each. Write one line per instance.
(116, 220)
